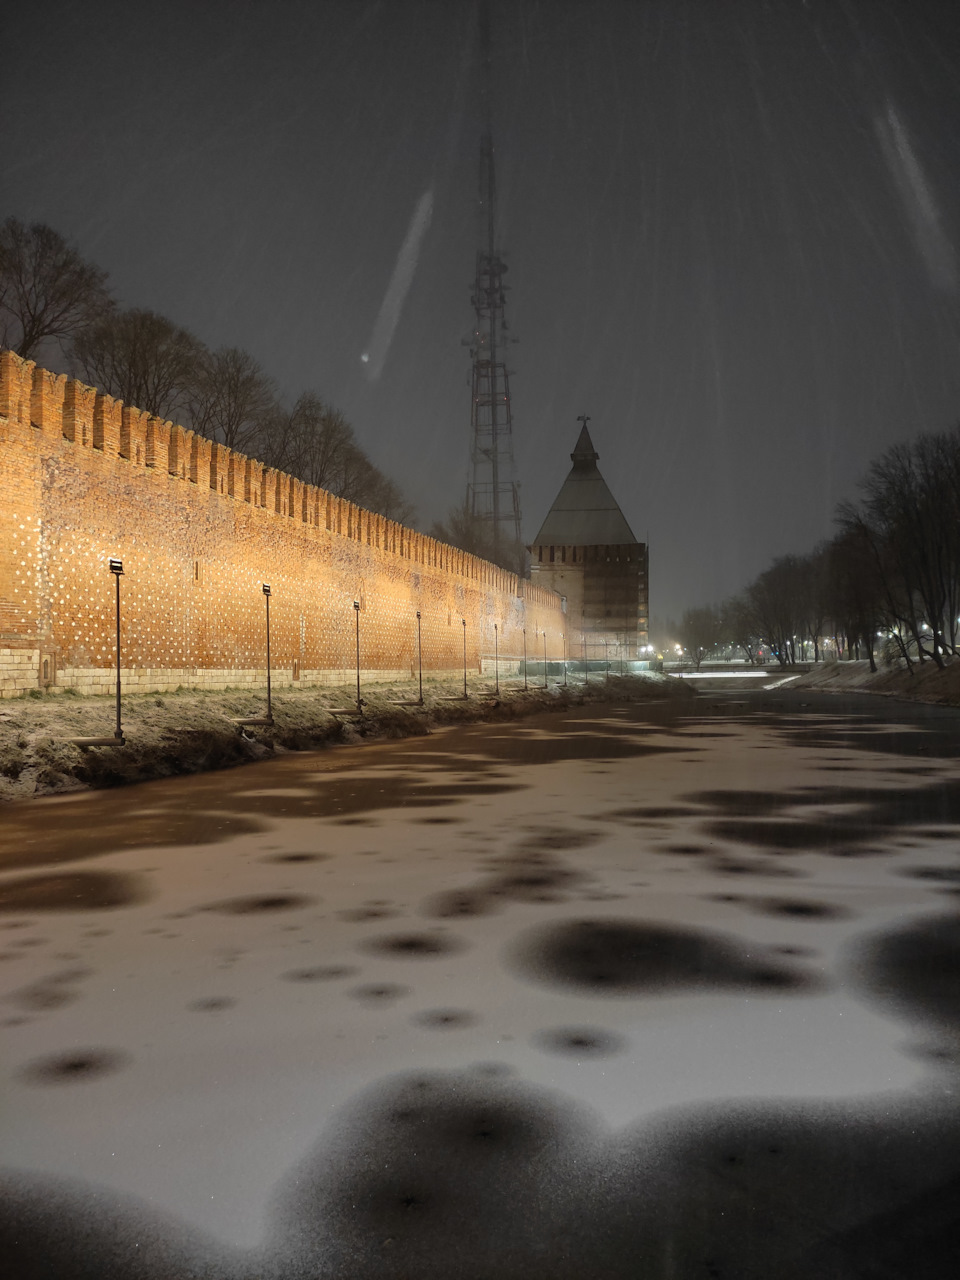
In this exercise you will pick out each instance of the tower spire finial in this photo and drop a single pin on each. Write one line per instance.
(584, 451)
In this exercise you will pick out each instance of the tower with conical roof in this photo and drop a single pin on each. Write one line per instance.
(586, 551)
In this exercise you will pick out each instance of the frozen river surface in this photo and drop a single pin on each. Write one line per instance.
(663, 991)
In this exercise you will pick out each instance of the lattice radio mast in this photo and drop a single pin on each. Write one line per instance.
(493, 496)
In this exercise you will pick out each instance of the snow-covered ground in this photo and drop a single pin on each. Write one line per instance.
(636, 925)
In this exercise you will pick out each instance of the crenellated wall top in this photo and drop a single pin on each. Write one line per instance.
(48, 406)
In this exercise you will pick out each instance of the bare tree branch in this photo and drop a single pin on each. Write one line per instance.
(232, 400)
(47, 291)
(143, 359)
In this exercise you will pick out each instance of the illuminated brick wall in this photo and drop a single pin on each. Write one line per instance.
(199, 529)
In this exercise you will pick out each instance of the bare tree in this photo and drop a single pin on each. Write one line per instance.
(909, 517)
(366, 485)
(316, 443)
(700, 631)
(470, 532)
(855, 592)
(739, 627)
(232, 400)
(774, 601)
(311, 442)
(812, 596)
(47, 291)
(143, 359)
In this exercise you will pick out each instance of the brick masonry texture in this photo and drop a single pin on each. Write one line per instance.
(199, 529)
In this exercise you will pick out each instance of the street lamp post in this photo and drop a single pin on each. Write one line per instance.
(464, 621)
(266, 596)
(524, 659)
(356, 610)
(545, 657)
(420, 657)
(564, 646)
(496, 659)
(116, 568)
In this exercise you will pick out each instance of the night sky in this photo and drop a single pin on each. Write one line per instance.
(731, 228)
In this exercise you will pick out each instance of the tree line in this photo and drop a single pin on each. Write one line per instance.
(49, 295)
(888, 580)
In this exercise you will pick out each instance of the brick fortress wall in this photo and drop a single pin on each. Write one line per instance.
(199, 528)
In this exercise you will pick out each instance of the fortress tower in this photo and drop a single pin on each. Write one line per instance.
(587, 552)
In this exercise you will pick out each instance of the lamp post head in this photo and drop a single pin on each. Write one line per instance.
(266, 589)
(418, 615)
(116, 566)
(356, 605)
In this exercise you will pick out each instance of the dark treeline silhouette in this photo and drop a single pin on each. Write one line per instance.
(891, 573)
(470, 532)
(52, 300)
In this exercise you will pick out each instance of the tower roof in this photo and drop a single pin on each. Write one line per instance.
(585, 513)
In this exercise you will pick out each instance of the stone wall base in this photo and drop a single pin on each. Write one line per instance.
(21, 670)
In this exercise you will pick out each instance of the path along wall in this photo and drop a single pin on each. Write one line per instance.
(199, 529)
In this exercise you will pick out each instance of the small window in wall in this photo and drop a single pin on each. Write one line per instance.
(563, 555)
(553, 552)
(197, 571)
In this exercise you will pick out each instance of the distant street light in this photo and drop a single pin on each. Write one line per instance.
(524, 659)
(496, 659)
(545, 657)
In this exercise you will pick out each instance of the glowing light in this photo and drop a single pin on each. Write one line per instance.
(399, 286)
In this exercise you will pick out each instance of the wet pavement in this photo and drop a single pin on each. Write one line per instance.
(660, 991)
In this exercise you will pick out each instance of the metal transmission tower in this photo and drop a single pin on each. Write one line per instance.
(493, 496)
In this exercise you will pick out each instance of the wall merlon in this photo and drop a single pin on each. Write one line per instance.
(106, 424)
(46, 401)
(216, 471)
(78, 406)
(152, 439)
(133, 435)
(177, 449)
(201, 460)
(16, 384)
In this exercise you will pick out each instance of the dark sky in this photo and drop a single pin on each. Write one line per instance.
(731, 229)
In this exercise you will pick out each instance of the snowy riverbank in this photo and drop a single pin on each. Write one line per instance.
(192, 731)
(926, 683)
